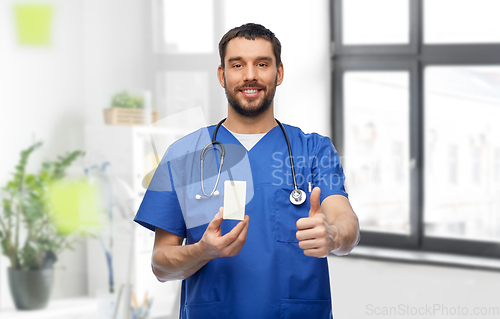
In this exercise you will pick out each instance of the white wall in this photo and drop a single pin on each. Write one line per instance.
(362, 288)
(48, 93)
(113, 51)
(41, 89)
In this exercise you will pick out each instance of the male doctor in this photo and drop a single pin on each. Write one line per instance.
(269, 265)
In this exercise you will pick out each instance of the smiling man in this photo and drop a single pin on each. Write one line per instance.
(272, 266)
(246, 95)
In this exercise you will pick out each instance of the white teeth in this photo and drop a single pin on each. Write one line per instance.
(250, 91)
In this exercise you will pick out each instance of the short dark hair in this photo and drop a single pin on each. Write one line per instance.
(250, 31)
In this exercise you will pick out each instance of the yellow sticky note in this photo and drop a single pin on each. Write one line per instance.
(33, 23)
(76, 206)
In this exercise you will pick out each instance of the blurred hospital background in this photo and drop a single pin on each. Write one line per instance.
(408, 91)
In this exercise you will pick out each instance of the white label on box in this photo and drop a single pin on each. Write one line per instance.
(234, 199)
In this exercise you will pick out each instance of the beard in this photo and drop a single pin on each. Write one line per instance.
(253, 107)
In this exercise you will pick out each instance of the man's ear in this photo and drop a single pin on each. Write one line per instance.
(220, 75)
(281, 73)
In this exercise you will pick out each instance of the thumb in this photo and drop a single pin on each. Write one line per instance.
(216, 221)
(314, 199)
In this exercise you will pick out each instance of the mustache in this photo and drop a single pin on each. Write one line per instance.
(250, 85)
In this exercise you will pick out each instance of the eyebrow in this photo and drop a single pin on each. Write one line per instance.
(239, 58)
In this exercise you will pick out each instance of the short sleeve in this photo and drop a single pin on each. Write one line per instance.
(327, 169)
(160, 206)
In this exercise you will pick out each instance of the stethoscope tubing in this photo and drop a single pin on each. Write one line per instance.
(202, 157)
(290, 156)
(297, 196)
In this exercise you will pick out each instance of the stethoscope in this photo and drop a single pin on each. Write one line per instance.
(297, 197)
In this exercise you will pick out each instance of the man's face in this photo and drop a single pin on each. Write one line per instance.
(250, 75)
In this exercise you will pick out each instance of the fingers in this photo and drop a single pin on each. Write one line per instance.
(319, 252)
(231, 243)
(310, 222)
(315, 247)
(234, 248)
(311, 234)
(216, 221)
(215, 245)
(236, 231)
(313, 244)
(315, 201)
(306, 223)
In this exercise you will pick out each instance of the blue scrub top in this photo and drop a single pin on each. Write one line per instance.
(270, 277)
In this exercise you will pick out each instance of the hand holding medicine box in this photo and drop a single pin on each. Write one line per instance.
(234, 199)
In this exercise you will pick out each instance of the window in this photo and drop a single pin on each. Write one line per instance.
(376, 148)
(183, 56)
(461, 21)
(369, 22)
(462, 106)
(416, 103)
(179, 30)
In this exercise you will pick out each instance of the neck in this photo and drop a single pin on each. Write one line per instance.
(238, 123)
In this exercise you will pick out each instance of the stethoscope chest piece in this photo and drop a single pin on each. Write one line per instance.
(298, 197)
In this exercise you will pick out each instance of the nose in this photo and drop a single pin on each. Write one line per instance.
(250, 73)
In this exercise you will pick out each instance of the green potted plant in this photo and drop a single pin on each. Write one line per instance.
(126, 100)
(129, 109)
(29, 235)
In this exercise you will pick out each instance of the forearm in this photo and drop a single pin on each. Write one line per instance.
(178, 262)
(346, 234)
(171, 261)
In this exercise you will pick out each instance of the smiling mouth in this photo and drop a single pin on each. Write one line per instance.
(250, 92)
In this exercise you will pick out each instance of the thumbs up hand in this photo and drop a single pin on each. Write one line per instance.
(316, 237)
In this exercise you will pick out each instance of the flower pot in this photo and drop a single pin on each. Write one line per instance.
(30, 289)
(123, 116)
